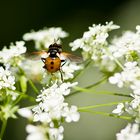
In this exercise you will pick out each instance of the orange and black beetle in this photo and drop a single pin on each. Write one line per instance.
(53, 62)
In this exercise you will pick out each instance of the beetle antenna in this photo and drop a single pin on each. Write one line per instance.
(56, 40)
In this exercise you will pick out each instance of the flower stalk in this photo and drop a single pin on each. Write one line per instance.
(4, 124)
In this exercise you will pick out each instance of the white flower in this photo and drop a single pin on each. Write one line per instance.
(26, 113)
(45, 37)
(7, 55)
(64, 88)
(93, 41)
(69, 69)
(131, 132)
(132, 108)
(136, 87)
(116, 79)
(71, 114)
(36, 132)
(138, 29)
(43, 132)
(6, 79)
(107, 64)
(136, 101)
(128, 77)
(127, 45)
(56, 133)
(13, 94)
(119, 110)
(33, 69)
(52, 106)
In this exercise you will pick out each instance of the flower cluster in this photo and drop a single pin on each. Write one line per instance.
(12, 55)
(6, 79)
(93, 41)
(126, 46)
(7, 93)
(52, 106)
(44, 133)
(51, 111)
(36, 132)
(128, 77)
(33, 69)
(118, 60)
(126, 50)
(131, 132)
(44, 38)
(7, 83)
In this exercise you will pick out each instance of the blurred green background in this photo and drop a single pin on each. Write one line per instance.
(74, 16)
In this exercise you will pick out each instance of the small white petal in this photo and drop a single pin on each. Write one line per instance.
(25, 112)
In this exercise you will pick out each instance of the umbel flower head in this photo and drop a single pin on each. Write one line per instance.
(93, 41)
(6, 79)
(131, 132)
(7, 83)
(128, 77)
(44, 38)
(12, 55)
(52, 106)
(127, 46)
(50, 112)
(42, 132)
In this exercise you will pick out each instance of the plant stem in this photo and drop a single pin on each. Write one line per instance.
(21, 96)
(3, 129)
(97, 83)
(107, 114)
(86, 88)
(97, 92)
(30, 81)
(116, 60)
(81, 71)
(33, 86)
(99, 105)
(121, 94)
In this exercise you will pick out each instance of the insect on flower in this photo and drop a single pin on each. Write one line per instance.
(55, 58)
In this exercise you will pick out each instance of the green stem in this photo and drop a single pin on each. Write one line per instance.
(30, 81)
(100, 105)
(119, 64)
(33, 86)
(97, 92)
(21, 70)
(97, 83)
(3, 129)
(116, 60)
(81, 71)
(86, 88)
(21, 97)
(121, 94)
(107, 114)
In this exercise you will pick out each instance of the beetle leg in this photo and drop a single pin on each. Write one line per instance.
(61, 75)
(63, 63)
(43, 59)
(44, 66)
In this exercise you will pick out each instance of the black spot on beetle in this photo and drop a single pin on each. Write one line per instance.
(51, 67)
(52, 62)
